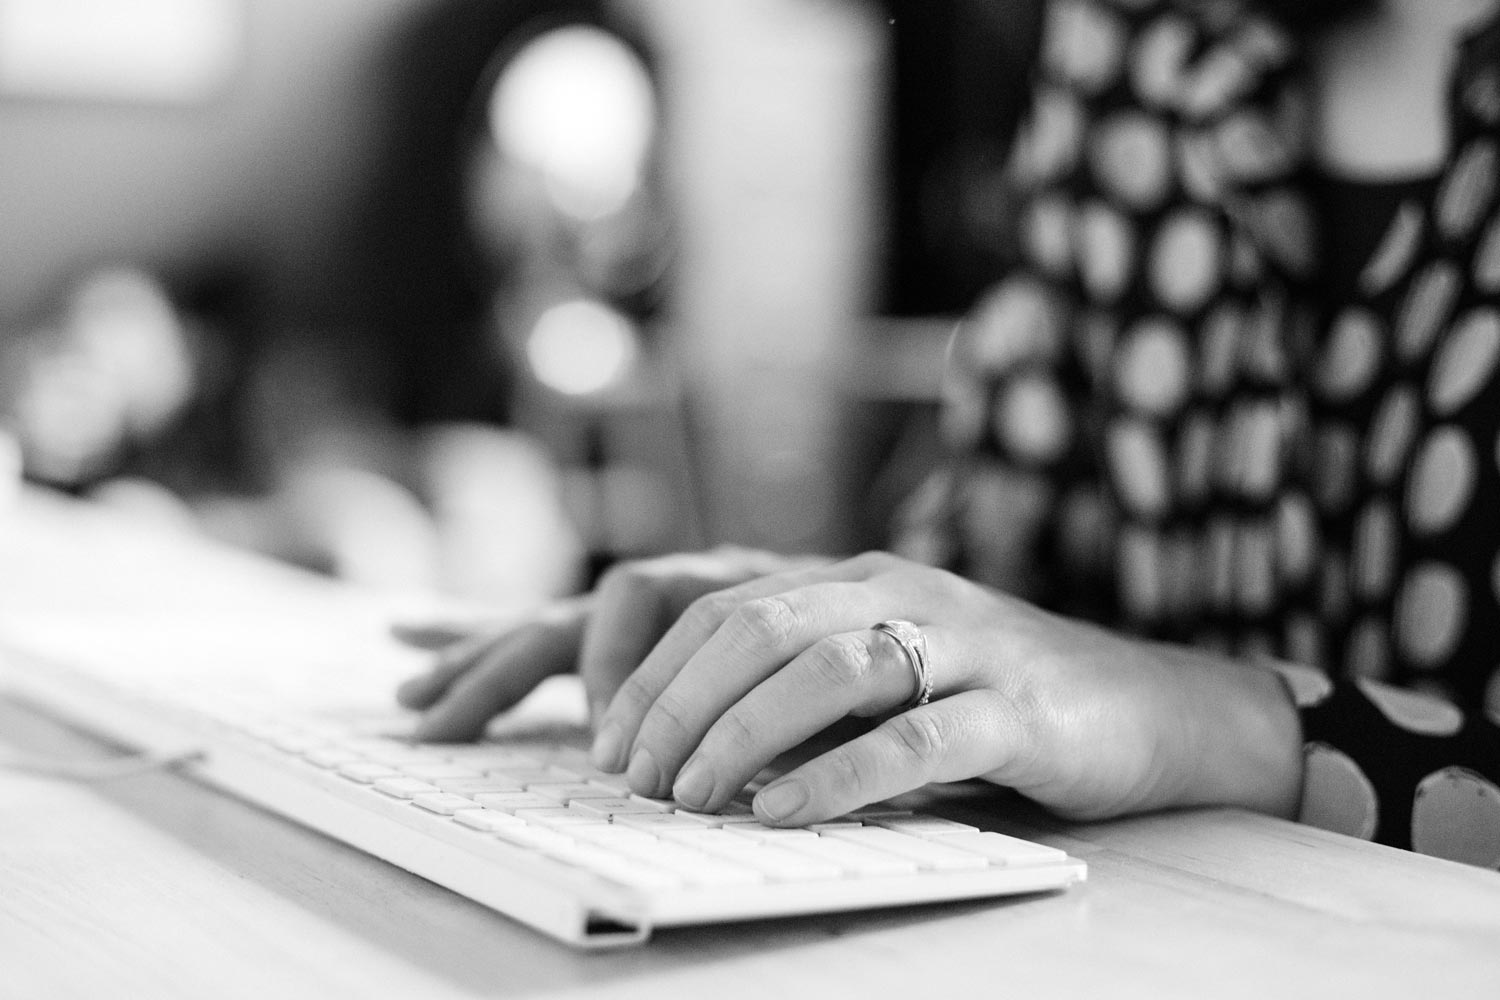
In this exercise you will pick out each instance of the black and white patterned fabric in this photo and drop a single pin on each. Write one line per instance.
(1178, 417)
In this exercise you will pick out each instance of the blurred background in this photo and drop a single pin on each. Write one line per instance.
(481, 295)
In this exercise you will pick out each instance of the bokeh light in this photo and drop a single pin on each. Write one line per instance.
(580, 347)
(577, 105)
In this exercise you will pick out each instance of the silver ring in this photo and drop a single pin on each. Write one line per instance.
(914, 644)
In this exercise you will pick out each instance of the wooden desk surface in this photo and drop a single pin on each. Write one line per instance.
(155, 886)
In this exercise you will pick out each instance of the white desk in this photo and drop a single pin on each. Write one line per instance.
(155, 886)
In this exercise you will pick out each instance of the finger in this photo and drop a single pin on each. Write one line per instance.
(500, 677)
(635, 689)
(962, 736)
(457, 658)
(862, 673)
(754, 641)
(421, 691)
(634, 604)
(637, 602)
(439, 633)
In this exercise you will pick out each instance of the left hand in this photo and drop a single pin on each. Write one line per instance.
(1087, 722)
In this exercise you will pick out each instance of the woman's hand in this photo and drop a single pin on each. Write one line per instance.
(485, 667)
(1084, 721)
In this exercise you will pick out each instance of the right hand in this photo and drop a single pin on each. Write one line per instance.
(482, 669)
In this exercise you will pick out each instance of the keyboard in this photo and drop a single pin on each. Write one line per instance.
(275, 685)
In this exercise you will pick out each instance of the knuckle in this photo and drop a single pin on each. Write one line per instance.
(918, 735)
(764, 621)
(669, 715)
(851, 770)
(872, 561)
(947, 582)
(624, 577)
(635, 696)
(708, 612)
(841, 661)
(733, 735)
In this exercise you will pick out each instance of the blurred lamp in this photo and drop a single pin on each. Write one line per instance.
(581, 347)
(577, 105)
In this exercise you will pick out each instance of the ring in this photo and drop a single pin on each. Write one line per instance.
(914, 644)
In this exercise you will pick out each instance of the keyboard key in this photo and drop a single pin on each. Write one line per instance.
(1011, 852)
(695, 867)
(444, 803)
(535, 838)
(654, 822)
(366, 773)
(405, 788)
(614, 866)
(852, 859)
(767, 834)
(930, 855)
(660, 805)
(485, 756)
(585, 855)
(559, 817)
(614, 837)
(565, 792)
(486, 820)
(925, 827)
(331, 757)
(391, 752)
(783, 865)
(476, 786)
(533, 775)
(711, 840)
(511, 801)
(610, 807)
(717, 820)
(434, 772)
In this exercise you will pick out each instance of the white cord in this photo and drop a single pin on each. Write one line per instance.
(94, 770)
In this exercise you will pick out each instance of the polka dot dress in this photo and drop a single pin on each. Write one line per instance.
(1206, 407)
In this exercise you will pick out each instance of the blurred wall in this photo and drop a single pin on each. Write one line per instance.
(776, 125)
(773, 110)
(261, 173)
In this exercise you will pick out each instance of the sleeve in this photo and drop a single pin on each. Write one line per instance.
(1398, 767)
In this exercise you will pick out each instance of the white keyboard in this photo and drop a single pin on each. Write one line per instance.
(280, 684)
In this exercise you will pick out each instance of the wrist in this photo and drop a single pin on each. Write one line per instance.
(1236, 734)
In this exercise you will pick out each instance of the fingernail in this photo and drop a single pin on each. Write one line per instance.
(608, 751)
(779, 801)
(695, 785)
(644, 775)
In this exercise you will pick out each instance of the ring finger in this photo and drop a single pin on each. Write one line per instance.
(697, 631)
(861, 673)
